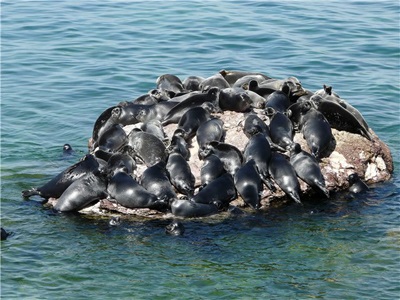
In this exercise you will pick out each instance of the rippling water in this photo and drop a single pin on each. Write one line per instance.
(64, 62)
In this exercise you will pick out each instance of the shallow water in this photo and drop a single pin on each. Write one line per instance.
(63, 63)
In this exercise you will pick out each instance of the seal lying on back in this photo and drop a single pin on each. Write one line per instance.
(58, 184)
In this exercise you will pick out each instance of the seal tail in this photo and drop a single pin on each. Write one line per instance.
(31, 192)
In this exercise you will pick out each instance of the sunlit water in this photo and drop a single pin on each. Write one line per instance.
(64, 62)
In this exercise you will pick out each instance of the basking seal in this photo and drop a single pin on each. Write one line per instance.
(281, 128)
(208, 131)
(234, 99)
(192, 83)
(129, 193)
(180, 174)
(155, 180)
(174, 115)
(154, 127)
(211, 169)
(120, 162)
(259, 150)
(191, 121)
(316, 129)
(232, 76)
(340, 117)
(106, 119)
(253, 124)
(169, 82)
(231, 156)
(216, 80)
(112, 139)
(248, 184)
(178, 144)
(82, 192)
(175, 228)
(154, 96)
(285, 176)
(356, 185)
(221, 190)
(307, 168)
(279, 100)
(58, 184)
(147, 147)
(189, 209)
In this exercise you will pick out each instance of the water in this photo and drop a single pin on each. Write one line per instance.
(64, 62)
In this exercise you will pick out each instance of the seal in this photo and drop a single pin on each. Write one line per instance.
(106, 119)
(307, 168)
(120, 162)
(191, 121)
(180, 174)
(147, 147)
(115, 221)
(341, 118)
(356, 185)
(253, 124)
(169, 82)
(67, 150)
(257, 101)
(259, 150)
(179, 145)
(216, 80)
(155, 180)
(211, 169)
(279, 100)
(285, 176)
(82, 192)
(190, 209)
(208, 131)
(232, 76)
(220, 191)
(113, 139)
(244, 81)
(154, 127)
(174, 115)
(58, 184)
(192, 83)
(248, 184)
(4, 234)
(175, 228)
(154, 96)
(281, 128)
(234, 99)
(316, 130)
(129, 193)
(231, 156)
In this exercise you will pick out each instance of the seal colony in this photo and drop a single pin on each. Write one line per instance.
(200, 146)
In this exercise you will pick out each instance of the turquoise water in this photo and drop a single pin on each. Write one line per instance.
(63, 63)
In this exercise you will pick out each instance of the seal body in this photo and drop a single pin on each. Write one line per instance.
(221, 190)
(211, 169)
(192, 83)
(208, 131)
(307, 168)
(129, 193)
(58, 184)
(169, 82)
(248, 184)
(356, 185)
(178, 144)
(180, 174)
(120, 162)
(216, 80)
(281, 128)
(191, 121)
(82, 192)
(285, 176)
(234, 99)
(155, 180)
(316, 130)
(231, 156)
(147, 147)
(190, 209)
(113, 139)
